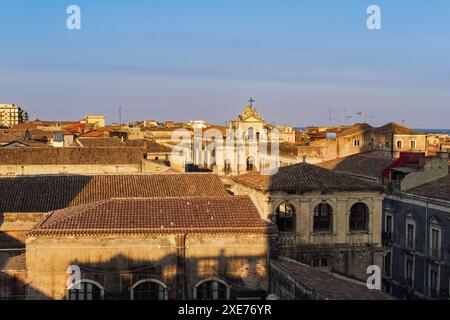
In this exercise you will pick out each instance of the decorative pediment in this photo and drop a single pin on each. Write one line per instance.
(388, 207)
(434, 220)
(250, 114)
(411, 215)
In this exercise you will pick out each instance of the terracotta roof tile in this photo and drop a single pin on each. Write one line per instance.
(47, 193)
(327, 286)
(67, 156)
(364, 165)
(439, 189)
(101, 142)
(155, 216)
(304, 177)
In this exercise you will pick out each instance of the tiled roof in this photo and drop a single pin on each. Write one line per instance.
(47, 193)
(439, 189)
(304, 177)
(101, 142)
(364, 165)
(67, 156)
(358, 127)
(394, 128)
(29, 144)
(12, 261)
(9, 135)
(327, 286)
(155, 147)
(95, 134)
(155, 216)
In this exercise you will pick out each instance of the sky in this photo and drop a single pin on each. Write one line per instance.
(306, 62)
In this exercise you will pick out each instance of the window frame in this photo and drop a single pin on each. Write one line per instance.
(410, 243)
(212, 279)
(412, 259)
(85, 281)
(366, 218)
(292, 218)
(319, 218)
(431, 268)
(439, 242)
(151, 280)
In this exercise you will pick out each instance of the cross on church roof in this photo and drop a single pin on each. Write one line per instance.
(251, 102)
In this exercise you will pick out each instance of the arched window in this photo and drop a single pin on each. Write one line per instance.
(286, 217)
(149, 289)
(323, 217)
(250, 163)
(359, 217)
(85, 290)
(212, 289)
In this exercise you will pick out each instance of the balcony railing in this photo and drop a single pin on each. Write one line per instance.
(287, 239)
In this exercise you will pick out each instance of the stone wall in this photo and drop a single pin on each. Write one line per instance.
(177, 261)
(349, 253)
(147, 166)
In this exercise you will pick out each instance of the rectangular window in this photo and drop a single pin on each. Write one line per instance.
(389, 224)
(409, 270)
(435, 243)
(387, 264)
(413, 144)
(410, 235)
(433, 281)
(399, 144)
(321, 263)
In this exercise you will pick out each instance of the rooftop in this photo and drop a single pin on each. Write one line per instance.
(364, 165)
(326, 285)
(439, 189)
(95, 142)
(304, 177)
(394, 128)
(12, 261)
(155, 216)
(68, 156)
(47, 193)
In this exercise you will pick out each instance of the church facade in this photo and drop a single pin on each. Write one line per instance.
(247, 144)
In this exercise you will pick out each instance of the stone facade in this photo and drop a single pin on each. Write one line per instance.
(348, 253)
(177, 262)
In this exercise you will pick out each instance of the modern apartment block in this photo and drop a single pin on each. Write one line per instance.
(11, 115)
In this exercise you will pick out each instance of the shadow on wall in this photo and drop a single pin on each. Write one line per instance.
(14, 284)
(171, 277)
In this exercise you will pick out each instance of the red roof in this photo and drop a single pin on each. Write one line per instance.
(156, 216)
(47, 193)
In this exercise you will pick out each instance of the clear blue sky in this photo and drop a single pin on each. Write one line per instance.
(202, 59)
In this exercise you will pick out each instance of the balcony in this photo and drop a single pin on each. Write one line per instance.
(287, 239)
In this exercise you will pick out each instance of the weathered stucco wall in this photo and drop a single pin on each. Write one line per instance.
(118, 263)
(146, 166)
